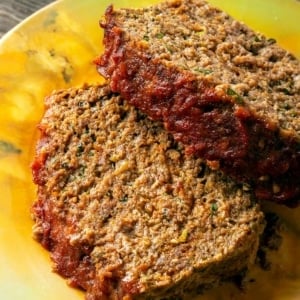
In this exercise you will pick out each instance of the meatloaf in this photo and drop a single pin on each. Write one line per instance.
(229, 94)
(124, 212)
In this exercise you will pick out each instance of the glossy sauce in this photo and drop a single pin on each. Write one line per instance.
(25, 271)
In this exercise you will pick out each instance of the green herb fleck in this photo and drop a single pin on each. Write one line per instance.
(159, 35)
(257, 39)
(81, 170)
(65, 165)
(203, 71)
(286, 91)
(214, 208)
(7, 147)
(271, 41)
(169, 49)
(238, 98)
(231, 92)
(124, 198)
(146, 38)
(91, 153)
(80, 149)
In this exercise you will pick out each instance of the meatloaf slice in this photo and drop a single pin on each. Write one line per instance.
(229, 94)
(124, 212)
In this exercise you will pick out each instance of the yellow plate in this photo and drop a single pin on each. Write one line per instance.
(55, 49)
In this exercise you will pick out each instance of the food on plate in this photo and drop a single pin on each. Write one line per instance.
(125, 212)
(229, 94)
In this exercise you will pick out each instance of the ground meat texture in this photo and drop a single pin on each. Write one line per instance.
(230, 95)
(125, 213)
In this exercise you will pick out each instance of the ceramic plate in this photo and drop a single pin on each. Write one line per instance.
(54, 49)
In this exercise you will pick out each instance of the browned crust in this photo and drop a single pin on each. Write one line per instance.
(210, 124)
(72, 262)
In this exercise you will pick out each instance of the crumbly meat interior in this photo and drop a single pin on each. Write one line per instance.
(124, 212)
(206, 41)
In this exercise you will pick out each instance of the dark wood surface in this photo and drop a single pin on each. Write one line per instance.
(13, 12)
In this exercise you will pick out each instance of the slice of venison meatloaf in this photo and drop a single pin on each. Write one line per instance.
(229, 94)
(124, 212)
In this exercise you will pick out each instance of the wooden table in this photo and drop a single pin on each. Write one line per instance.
(14, 11)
